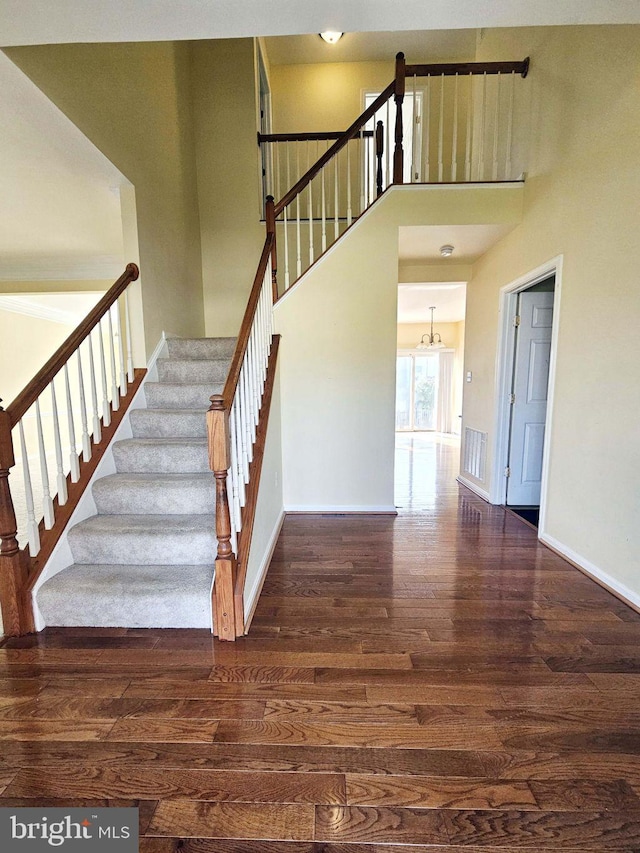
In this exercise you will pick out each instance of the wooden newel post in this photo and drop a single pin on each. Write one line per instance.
(398, 96)
(224, 621)
(379, 153)
(12, 567)
(270, 216)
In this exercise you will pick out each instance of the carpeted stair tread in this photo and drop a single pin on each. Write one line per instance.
(129, 596)
(169, 423)
(201, 347)
(153, 494)
(192, 371)
(180, 395)
(161, 455)
(144, 539)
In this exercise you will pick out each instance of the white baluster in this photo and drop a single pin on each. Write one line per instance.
(74, 462)
(33, 534)
(362, 171)
(123, 375)
(235, 499)
(496, 126)
(387, 147)
(441, 132)
(414, 132)
(298, 240)
(349, 211)
(323, 203)
(427, 130)
(47, 503)
(336, 198)
(61, 480)
(367, 172)
(467, 149)
(115, 394)
(276, 149)
(106, 408)
(454, 141)
(97, 431)
(508, 174)
(86, 441)
(483, 108)
(310, 214)
(127, 326)
(287, 280)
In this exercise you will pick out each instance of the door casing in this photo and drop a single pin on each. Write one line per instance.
(504, 368)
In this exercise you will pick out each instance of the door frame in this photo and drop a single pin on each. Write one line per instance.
(504, 374)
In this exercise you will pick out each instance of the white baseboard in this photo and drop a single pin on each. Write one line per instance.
(597, 574)
(330, 509)
(478, 490)
(253, 595)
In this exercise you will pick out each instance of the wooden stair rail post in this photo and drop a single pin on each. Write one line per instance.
(271, 231)
(379, 153)
(13, 571)
(220, 460)
(398, 96)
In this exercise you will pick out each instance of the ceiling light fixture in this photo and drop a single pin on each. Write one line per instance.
(331, 38)
(431, 344)
(446, 251)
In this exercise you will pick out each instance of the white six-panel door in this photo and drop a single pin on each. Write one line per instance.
(529, 406)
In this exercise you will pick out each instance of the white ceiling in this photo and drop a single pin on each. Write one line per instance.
(448, 298)
(421, 243)
(44, 22)
(59, 196)
(418, 46)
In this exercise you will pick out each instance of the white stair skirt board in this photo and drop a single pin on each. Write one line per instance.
(140, 550)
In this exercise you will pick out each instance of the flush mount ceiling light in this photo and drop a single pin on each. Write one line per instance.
(446, 251)
(431, 343)
(331, 38)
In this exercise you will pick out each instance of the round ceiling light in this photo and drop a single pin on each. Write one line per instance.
(446, 251)
(330, 37)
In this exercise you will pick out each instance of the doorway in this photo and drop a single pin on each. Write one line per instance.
(526, 362)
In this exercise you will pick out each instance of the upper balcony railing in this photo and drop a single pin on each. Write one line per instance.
(438, 123)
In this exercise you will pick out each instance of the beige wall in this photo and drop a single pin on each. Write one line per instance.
(225, 115)
(25, 345)
(338, 351)
(581, 202)
(133, 102)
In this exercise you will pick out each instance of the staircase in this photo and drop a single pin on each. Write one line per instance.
(146, 560)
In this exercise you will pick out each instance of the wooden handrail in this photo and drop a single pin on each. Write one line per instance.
(449, 69)
(305, 137)
(350, 133)
(27, 397)
(231, 384)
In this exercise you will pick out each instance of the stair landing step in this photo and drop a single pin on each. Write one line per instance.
(128, 596)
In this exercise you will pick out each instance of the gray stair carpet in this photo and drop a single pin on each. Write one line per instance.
(146, 560)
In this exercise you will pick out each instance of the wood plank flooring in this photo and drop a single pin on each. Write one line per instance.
(437, 681)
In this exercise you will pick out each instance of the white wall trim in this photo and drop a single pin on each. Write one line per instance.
(61, 556)
(252, 596)
(478, 490)
(628, 596)
(332, 510)
(29, 306)
(502, 384)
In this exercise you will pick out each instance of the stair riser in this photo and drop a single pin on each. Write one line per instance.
(155, 423)
(176, 459)
(190, 547)
(201, 347)
(170, 370)
(171, 396)
(154, 498)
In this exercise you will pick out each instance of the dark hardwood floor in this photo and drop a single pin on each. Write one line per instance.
(435, 681)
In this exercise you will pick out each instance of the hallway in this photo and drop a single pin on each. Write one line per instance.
(432, 681)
